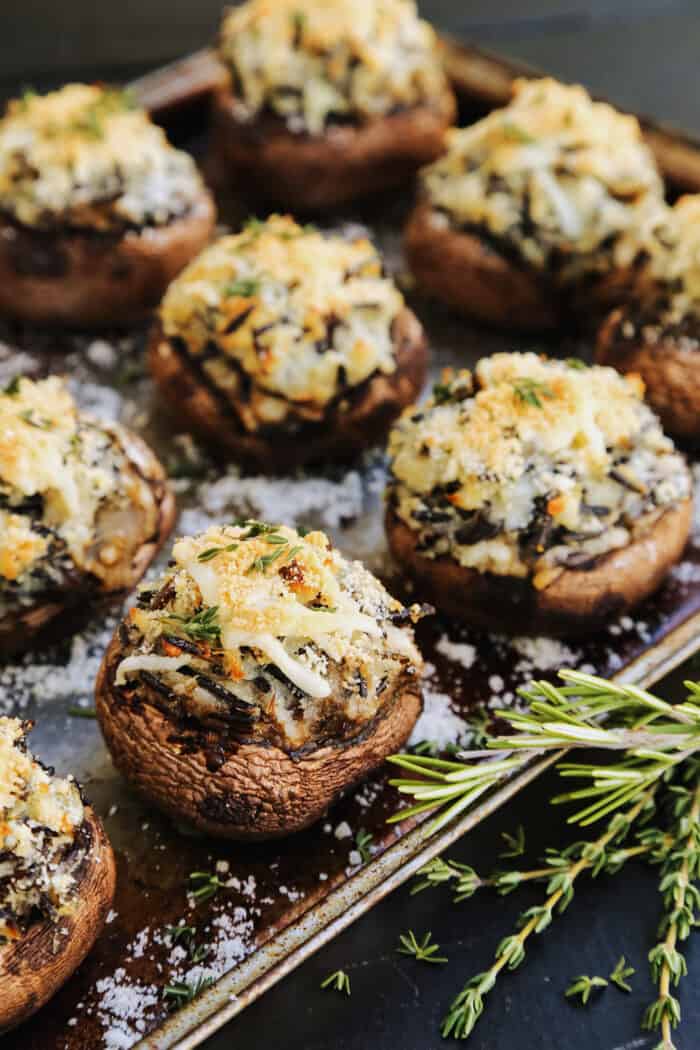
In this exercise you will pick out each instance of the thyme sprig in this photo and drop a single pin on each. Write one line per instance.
(659, 764)
(338, 980)
(203, 626)
(423, 950)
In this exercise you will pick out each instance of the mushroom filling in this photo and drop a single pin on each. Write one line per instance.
(41, 844)
(85, 158)
(283, 321)
(72, 502)
(532, 466)
(556, 181)
(328, 61)
(674, 313)
(268, 635)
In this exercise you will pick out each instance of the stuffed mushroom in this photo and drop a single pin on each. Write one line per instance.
(283, 345)
(542, 206)
(261, 675)
(57, 878)
(98, 212)
(327, 101)
(536, 496)
(659, 337)
(84, 507)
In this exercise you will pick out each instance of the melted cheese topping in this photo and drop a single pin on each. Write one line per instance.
(302, 315)
(676, 266)
(57, 470)
(314, 62)
(39, 818)
(260, 600)
(566, 182)
(536, 462)
(84, 157)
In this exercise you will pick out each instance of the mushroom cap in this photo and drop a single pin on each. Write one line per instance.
(576, 602)
(33, 968)
(258, 791)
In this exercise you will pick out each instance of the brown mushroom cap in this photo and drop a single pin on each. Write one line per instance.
(19, 629)
(468, 273)
(258, 791)
(576, 602)
(322, 171)
(75, 278)
(33, 968)
(670, 368)
(362, 420)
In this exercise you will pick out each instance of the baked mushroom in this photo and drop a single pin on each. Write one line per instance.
(260, 676)
(57, 878)
(659, 337)
(98, 212)
(327, 101)
(536, 496)
(283, 345)
(84, 507)
(541, 207)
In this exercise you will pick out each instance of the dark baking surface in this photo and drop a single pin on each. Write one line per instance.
(642, 54)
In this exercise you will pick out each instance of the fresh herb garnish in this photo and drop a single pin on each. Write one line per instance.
(530, 391)
(583, 987)
(515, 843)
(39, 422)
(212, 552)
(204, 885)
(12, 388)
(657, 774)
(576, 362)
(244, 286)
(442, 393)
(204, 626)
(180, 933)
(423, 951)
(620, 974)
(338, 980)
(363, 842)
(183, 992)
(82, 712)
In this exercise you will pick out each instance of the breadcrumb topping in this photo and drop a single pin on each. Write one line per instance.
(282, 316)
(532, 464)
(40, 816)
(269, 633)
(565, 182)
(85, 157)
(327, 60)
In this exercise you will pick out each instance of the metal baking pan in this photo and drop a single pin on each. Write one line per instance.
(281, 900)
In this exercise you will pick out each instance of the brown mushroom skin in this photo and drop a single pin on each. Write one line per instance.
(356, 422)
(670, 368)
(74, 278)
(33, 968)
(468, 273)
(24, 627)
(258, 791)
(471, 274)
(578, 602)
(318, 172)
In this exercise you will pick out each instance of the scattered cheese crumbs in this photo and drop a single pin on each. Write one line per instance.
(496, 683)
(461, 652)
(354, 857)
(124, 1009)
(543, 654)
(439, 722)
(343, 830)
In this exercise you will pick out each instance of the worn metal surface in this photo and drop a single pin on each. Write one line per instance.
(292, 896)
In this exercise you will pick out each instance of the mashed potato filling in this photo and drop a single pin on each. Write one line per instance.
(57, 470)
(282, 317)
(532, 465)
(85, 157)
(270, 634)
(565, 183)
(40, 816)
(327, 60)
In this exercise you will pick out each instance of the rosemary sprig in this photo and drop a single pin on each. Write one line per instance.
(583, 986)
(181, 992)
(363, 843)
(338, 980)
(204, 885)
(423, 950)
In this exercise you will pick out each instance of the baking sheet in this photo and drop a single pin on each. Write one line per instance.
(277, 901)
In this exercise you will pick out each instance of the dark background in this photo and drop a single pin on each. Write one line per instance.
(642, 54)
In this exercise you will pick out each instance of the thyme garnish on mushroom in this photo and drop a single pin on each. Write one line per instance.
(531, 391)
(658, 770)
(204, 626)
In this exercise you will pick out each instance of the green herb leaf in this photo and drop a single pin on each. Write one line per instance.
(244, 286)
(82, 712)
(363, 841)
(423, 950)
(12, 388)
(620, 974)
(531, 391)
(583, 987)
(338, 980)
(517, 134)
(515, 843)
